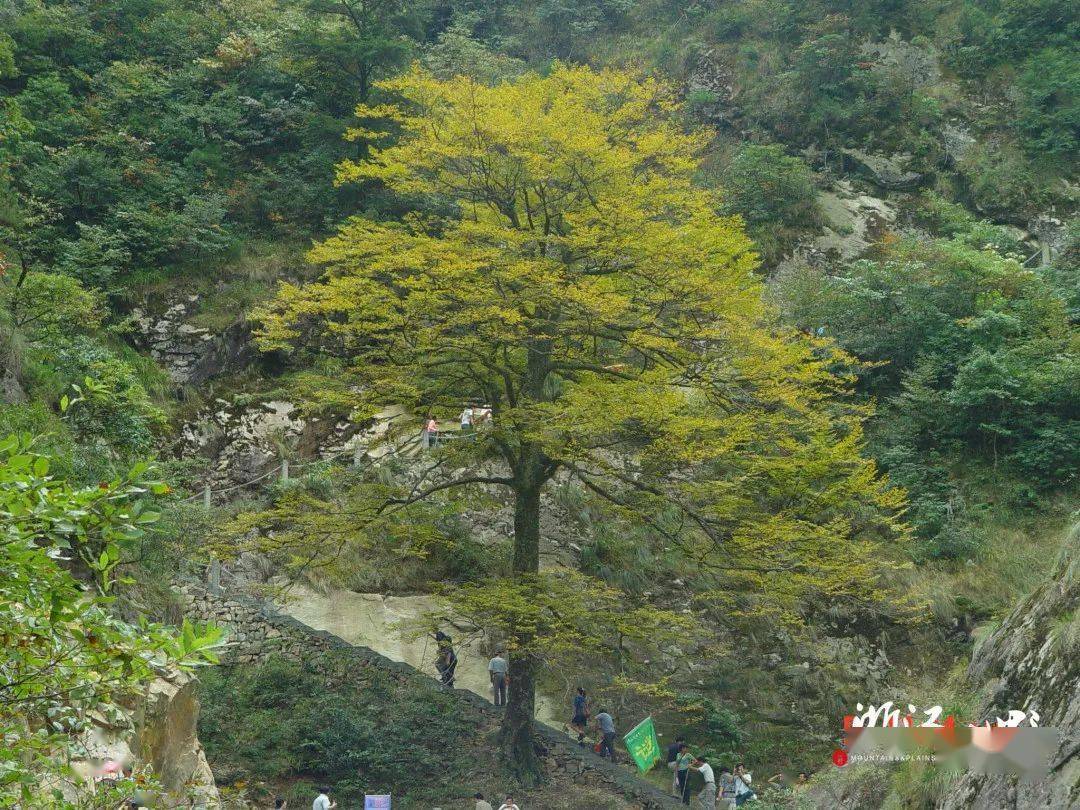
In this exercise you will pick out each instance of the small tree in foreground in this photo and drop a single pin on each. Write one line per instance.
(579, 283)
(67, 661)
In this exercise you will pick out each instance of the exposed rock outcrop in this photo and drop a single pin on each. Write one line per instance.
(242, 441)
(11, 390)
(160, 731)
(888, 171)
(854, 221)
(167, 737)
(191, 354)
(710, 88)
(1032, 662)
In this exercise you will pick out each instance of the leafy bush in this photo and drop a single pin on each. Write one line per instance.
(966, 349)
(1000, 181)
(55, 628)
(1049, 118)
(115, 408)
(278, 722)
(772, 191)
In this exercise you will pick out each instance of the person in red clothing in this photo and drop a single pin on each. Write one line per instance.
(431, 433)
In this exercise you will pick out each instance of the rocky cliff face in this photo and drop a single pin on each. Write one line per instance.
(160, 731)
(1032, 662)
(191, 354)
(166, 737)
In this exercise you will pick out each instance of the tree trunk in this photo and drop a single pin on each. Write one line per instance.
(517, 730)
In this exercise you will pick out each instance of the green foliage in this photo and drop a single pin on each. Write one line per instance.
(115, 406)
(66, 658)
(1000, 181)
(1049, 119)
(938, 510)
(556, 616)
(155, 133)
(7, 56)
(966, 351)
(49, 305)
(458, 53)
(723, 728)
(942, 217)
(773, 192)
(280, 723)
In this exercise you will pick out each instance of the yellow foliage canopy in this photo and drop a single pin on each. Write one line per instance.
(567, 270)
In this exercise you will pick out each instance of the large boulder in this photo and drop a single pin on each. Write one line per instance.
(853, 221)
(157, 729)
(887, 171)
(167, 737)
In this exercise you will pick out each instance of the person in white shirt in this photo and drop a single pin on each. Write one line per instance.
(322, 801)
(743, 791)
(707, 797)
(498, 672)
(467, 419)
(509, 804)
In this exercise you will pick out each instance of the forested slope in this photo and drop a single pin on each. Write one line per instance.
(905, 169)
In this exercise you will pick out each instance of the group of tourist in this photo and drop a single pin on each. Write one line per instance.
(731, 788)
(472, 418)
(324, 802)
(483, 804)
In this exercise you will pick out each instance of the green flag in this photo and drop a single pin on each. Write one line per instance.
(642, 744)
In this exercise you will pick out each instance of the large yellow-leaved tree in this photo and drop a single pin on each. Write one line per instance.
(563, 267)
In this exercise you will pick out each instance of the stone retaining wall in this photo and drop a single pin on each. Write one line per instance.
(257, 631)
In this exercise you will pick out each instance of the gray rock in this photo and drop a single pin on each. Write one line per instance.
(1031, 662)
(887, 171)
(191, 354)
(11, 391)
(957, 141)
(853, 222)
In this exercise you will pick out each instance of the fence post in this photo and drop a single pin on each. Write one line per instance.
(284, 470)
(357, 453)
(206, 497)
(215, 576)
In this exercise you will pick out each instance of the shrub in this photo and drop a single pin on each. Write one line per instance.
(115, 408)
(1049, 114)
(280, 722)
(773, 192)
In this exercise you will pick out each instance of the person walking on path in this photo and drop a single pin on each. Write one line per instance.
(606, 724)
(481, 804)
(445, 659)
(499, 671)
(580, 720)
(431, 433)
(466, 420)
(322, 801)
(707, 797)
(509, 804)
(682, 772)
(672, 756)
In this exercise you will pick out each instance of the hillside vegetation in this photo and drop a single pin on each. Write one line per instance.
(782, 476)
